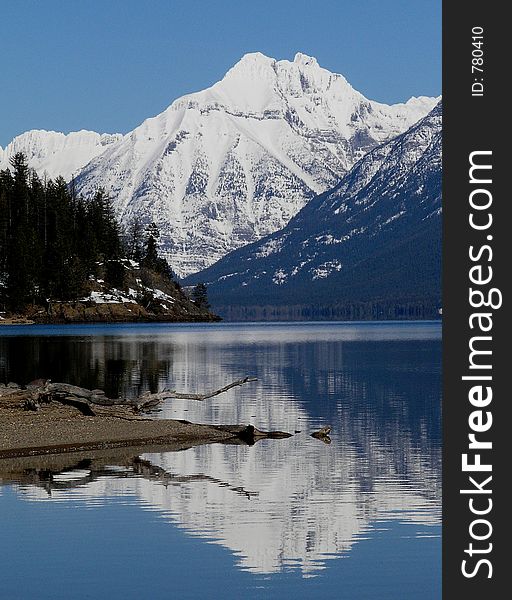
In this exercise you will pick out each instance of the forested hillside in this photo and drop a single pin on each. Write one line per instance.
(57, 247)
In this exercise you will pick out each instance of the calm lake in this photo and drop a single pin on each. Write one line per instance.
(359, 518)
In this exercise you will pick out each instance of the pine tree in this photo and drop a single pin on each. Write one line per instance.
(20, 274)
(63, 271)
(200, 296)
(150, 258)
(134, 239)
(6, 185)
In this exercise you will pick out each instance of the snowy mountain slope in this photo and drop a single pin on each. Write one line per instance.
(57, 153)
(225, 166)
(376, 235)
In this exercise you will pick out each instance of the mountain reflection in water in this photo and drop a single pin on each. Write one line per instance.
(281, 504)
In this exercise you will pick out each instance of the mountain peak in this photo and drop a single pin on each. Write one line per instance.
(256, 57)
(305, 60)
(252, 62)
(255, 63)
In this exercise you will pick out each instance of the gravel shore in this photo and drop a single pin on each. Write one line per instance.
(58, 429)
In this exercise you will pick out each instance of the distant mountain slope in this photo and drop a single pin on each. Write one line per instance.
(57, 154)
(375, 237)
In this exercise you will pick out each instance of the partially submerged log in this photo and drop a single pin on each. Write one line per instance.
(158, 435)
(250, 434)
(90, 402)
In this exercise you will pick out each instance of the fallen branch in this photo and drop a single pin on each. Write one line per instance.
(91, 402)
(216, 392)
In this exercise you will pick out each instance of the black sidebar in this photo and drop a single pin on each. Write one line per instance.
(477, 356)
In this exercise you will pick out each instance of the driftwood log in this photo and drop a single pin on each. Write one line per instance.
(94, 402)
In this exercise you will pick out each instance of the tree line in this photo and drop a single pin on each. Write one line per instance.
(340, 311)
(53, 241)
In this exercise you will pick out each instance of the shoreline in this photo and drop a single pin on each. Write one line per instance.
(59, 429)
(17, 322)
(108, 319)
(11, 323)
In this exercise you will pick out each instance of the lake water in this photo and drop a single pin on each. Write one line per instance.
(359, 518)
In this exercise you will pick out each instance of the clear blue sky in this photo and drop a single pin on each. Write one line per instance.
(106, 65)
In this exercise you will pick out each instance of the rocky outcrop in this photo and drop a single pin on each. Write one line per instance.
(144, 296)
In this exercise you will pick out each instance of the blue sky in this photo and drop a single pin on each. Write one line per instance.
(106, 65)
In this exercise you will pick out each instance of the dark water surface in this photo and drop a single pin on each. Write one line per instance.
(358, 518)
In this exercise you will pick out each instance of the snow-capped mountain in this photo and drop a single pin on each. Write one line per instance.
(57, 153)
(375, 236)
(225, 166)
